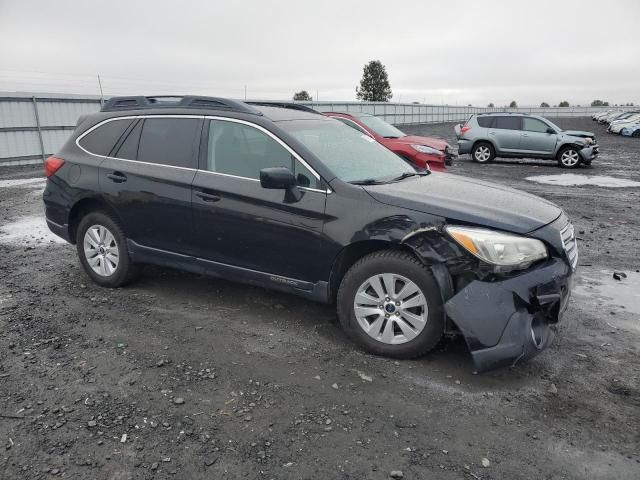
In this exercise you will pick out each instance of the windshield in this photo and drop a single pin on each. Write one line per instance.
(381, 127)
(352, 156)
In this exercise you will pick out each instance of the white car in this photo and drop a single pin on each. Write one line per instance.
(617, 125)
(599, 115)
(618, 114)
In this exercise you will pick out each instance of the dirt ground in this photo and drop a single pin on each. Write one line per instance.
(182, 376)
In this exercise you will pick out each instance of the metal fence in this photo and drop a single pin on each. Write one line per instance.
(34, 126)
(410, 113)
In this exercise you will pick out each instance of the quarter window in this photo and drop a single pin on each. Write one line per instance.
(534, 125)
(242, 151)
(486, 122)
(508, 123)
(102, 140)
(169, 141)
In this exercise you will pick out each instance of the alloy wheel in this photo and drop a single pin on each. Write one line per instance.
(482, 154)
(101, 250)
(569, 158)
(391, 308)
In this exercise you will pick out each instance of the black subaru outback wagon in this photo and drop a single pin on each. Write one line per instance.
(286, 198)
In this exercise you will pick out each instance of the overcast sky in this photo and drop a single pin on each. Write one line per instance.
(455, 52)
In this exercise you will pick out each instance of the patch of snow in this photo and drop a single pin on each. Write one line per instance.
(23, 182)
(28, 231)
(572, 180)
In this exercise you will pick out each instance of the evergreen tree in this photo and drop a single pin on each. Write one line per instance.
(374, 86)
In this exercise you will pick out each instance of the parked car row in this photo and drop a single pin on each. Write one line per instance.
(519, 135)
(295, 201)
(626, 123)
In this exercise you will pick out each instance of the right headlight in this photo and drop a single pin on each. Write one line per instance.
(504, 250)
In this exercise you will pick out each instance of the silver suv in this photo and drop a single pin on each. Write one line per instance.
(519, 135)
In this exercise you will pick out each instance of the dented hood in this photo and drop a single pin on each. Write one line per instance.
(469, 201)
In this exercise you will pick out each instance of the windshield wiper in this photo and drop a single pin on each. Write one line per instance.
(410, 174)
(368, 181)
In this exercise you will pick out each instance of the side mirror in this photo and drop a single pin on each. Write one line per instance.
(277, 178)
(281, 178)
(551, 130)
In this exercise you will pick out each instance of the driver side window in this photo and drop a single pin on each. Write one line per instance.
(534, 125)
(242, 151)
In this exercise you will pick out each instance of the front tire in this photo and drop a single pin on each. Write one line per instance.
(569, 157)
(390, 304)
(102, 249)
(483, 152)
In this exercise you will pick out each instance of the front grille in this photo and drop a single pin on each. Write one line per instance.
(570, 244)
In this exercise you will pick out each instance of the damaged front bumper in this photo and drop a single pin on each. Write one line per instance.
(511, 320)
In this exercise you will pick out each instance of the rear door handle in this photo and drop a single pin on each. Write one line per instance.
(207, 197)
(525, 134)
(117, 177)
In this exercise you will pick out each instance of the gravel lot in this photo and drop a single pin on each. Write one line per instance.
(182, 376)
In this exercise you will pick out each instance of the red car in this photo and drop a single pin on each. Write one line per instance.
(423, 152)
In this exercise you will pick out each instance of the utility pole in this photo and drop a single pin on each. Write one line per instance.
(245, 92)
(317, 95)
(101, 94)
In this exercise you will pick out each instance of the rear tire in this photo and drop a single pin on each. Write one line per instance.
(102, 249)
(390, 304)
(483, 152)
(569, 157)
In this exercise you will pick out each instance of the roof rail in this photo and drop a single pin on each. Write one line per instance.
(289, 105)
(116, 104)
(503, 113)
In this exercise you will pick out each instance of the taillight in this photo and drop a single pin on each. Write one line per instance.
(465, 129)
(52, 165)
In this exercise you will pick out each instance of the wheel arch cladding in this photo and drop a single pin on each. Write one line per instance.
(85, 206)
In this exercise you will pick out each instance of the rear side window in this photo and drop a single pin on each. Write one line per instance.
(486, 122)
(129, 148)
(101, 140)
(508, 123)
(169, 141)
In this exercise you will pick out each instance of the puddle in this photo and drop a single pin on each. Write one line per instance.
(22, 182)
(572, 179)
(616, 293)
(28, 231)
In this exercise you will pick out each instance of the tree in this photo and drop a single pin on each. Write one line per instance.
(597, 103)
(374, 86)
(563, 103)
(491, 105)
(302, 96)
(544, 105)
(513, 104)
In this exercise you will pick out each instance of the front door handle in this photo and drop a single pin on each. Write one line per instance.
(117, 177)
(207, 197)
